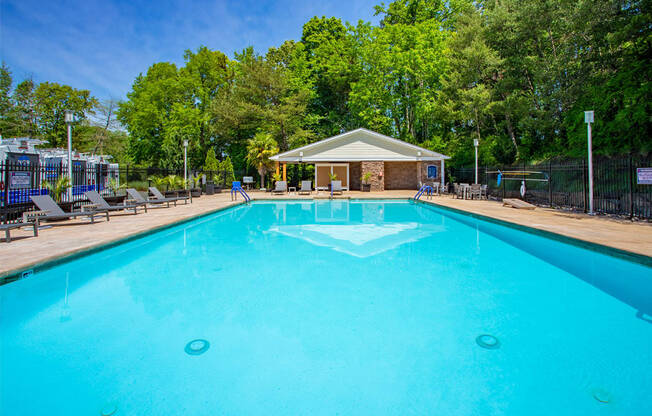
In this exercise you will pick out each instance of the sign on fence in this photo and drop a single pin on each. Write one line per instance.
(19, 180)
(644, 176)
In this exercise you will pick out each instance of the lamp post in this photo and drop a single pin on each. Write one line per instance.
(69, 119)
(588, 119)
(476, 143)
(185, 164)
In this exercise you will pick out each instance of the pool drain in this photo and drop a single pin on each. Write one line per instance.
(109, 410)
(601, 395)
(488, 341)
(196, 347)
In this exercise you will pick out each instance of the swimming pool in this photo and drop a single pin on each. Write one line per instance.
(330, 307)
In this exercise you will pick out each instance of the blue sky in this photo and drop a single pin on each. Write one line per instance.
(104, 45)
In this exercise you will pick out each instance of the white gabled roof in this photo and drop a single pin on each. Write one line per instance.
(358, 145)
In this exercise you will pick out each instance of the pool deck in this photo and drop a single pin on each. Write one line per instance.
(75, 236)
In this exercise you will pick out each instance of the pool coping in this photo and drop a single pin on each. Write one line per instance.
(578, 242)
(17, 274)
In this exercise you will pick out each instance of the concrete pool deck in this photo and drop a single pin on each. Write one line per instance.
(71, 237)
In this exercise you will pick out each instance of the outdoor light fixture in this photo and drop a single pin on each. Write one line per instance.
(588, 119)
(300, 156)
(69, 120)
(476, 143)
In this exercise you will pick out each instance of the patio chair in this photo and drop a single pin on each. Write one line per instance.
(336, 187)
(483, 192)
(140, 199)
(52, 211)
(97, 200)
(306, 188)
(159, 196)
(456, 190)
(281, 187)
(475, 191)
(7, 227)
(462, 191)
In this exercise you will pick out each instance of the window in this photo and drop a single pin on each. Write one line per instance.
(432, 171)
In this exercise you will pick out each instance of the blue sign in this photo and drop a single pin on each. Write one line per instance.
(432, 171)
(644, 176)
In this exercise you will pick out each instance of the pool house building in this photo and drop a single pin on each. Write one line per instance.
(392, 163)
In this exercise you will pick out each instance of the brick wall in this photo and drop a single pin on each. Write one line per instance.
(401, 175)
(424, 171)
(377, 170)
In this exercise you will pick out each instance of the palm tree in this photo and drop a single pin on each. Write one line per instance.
(259, 150)
(58, 188)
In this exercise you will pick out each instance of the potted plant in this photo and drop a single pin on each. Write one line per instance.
(115, 188)
(194, 183)
(366, 185)
(333, 177)
(56, 190)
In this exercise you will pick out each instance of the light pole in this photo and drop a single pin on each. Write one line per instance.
(476, 142)
(185, 164)
(69, 119)
(588, 119)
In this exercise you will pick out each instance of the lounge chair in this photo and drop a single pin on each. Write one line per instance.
(7, 227)
(54, 212)
(101, 203)
(336, 187)
(159, 196)
(306, 188)
(281, 187)
(140, 199)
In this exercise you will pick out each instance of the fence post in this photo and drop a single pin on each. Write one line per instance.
(584, 184)
(631, 190)
(6, 187)
(550, 183)
(503, 181)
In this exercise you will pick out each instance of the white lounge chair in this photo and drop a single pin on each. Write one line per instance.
(306, 188)
(281, 187)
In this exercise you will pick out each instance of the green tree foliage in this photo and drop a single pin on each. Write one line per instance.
(259, 149)
(331, 57)
(52, 100)
(262, 97)
(226, 170)
(515, 74)
(168, 105)
(211, 163)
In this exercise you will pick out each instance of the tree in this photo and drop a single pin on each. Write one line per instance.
(170, 104)
(211, 163)
(226, 169)
(262, 97)
(6, 106)
(147, 112)
(331, 57)
(52, 100)
(259, 149)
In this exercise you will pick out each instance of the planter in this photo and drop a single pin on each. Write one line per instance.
(210, 188)
(195, 192)
(366, 187)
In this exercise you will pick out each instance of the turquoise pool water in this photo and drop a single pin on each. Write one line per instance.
(350, 308)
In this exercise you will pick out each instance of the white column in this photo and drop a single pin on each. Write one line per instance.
(70, 161)
(442, 174)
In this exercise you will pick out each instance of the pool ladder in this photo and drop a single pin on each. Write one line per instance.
(236, 189)
(427, 189)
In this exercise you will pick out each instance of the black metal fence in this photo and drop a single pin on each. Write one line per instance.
(564, 183)
(19, 181)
